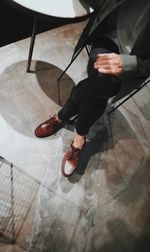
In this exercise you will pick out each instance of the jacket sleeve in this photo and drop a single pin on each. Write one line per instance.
(137, 65)
(143, 67)
(129, 63)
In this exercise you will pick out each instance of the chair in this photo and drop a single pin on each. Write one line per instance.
(115, 106)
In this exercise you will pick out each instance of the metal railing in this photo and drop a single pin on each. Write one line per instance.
(17, 192)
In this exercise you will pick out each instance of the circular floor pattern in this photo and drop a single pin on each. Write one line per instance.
(26, 99)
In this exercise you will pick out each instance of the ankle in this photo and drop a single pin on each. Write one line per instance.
(57, 119)
(78, 141)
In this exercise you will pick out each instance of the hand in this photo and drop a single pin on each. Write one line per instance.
(109, 63)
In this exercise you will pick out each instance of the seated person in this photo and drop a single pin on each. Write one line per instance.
(119, 35)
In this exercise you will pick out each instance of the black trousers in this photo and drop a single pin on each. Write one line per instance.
(88, 99)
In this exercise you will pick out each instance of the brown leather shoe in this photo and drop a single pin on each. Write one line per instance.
(49, 127)
(70, 160)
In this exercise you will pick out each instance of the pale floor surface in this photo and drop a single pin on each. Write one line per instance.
(105, 205)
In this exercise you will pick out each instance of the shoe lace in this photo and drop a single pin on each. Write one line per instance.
(75, 153)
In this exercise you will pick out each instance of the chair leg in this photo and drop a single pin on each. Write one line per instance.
(58, 90)
(65, 70)
(88, 48)
(32, 44)
(58, 80)
(129, 96)
(110, 127)
(72, 60)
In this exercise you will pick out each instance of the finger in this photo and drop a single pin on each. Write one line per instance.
(107, 62)
(107, 55)
(111, 70)
(106, 66)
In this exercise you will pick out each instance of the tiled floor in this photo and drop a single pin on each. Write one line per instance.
(105, 205)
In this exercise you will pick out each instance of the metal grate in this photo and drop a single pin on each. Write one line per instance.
(17, 192)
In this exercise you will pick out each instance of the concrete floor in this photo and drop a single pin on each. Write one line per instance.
(105, 205)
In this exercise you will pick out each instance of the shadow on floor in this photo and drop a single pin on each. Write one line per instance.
(121, 239)
(98, 140)
(22, 94)
(47, 76)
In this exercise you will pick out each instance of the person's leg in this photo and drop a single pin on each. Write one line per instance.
(79, 93)
(88, 114)
(71, 106)
(94, 94)
(88, 99)
(91, 107)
